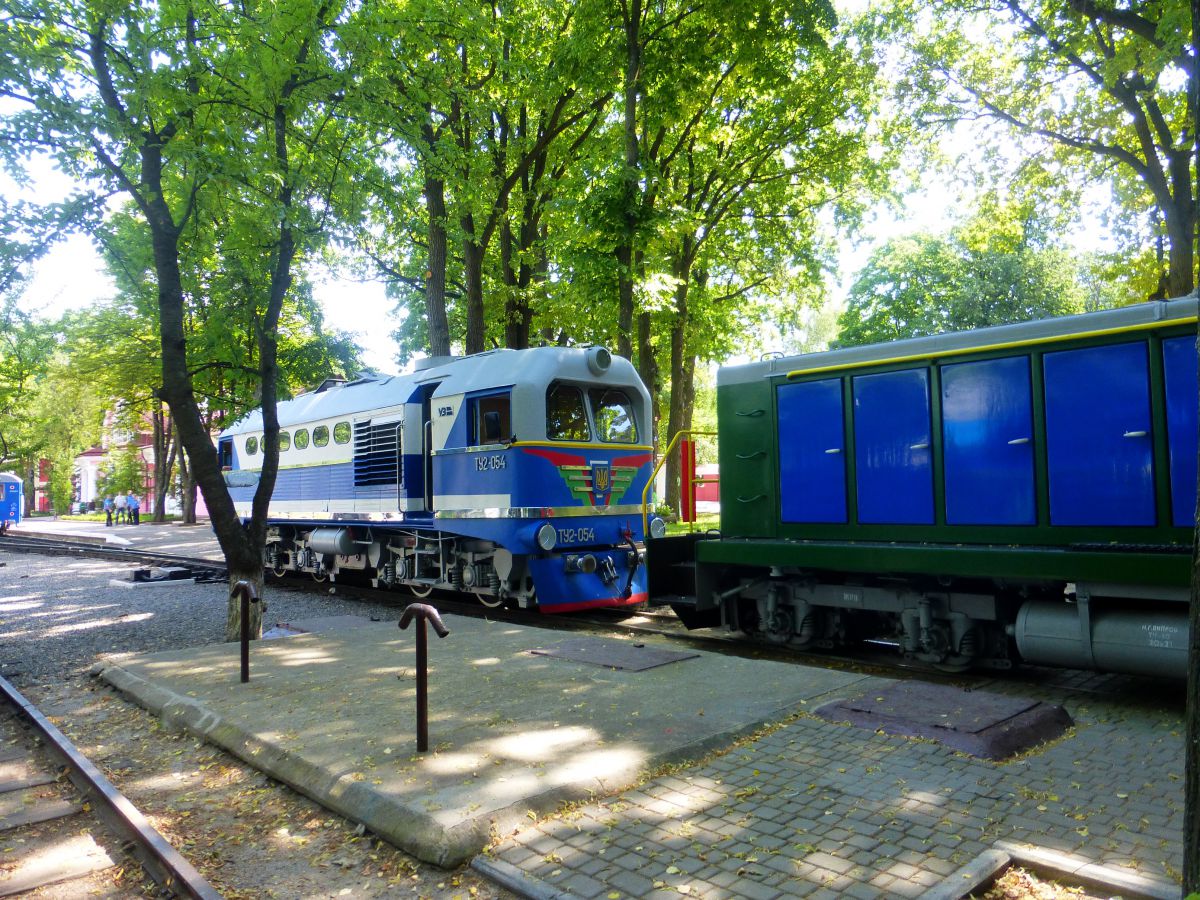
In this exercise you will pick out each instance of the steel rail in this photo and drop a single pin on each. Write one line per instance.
(160, 860)
(50, 546)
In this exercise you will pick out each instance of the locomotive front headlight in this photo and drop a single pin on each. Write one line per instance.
(658, 528)
(546, 536)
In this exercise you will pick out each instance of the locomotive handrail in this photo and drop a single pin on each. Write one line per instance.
(662, 461)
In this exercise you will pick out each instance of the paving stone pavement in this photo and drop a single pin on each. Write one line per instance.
(821, 809)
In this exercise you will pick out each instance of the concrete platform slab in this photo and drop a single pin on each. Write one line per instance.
(333, 715)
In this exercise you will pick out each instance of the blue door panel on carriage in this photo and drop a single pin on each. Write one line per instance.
(812, 465)
(987, 442)
(892, 448)
(1099, 444)
(1180, 374)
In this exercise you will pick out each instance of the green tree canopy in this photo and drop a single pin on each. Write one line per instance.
(1103, 88)
(992, 270)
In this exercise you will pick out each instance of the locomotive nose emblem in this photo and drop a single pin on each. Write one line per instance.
(601, 478)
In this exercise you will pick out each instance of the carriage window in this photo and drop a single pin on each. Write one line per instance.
(341, 433)
(491, 420)
(251, 445)
(613, 414)
(566, 419)
(285, 441)
(321, 436)
(301, 438)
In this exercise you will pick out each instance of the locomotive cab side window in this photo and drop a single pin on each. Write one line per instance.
(491, 420)
(566, 416)
(341, 433)
(613, 414)
(251, 445)
(301, 439)
(320, 436)
(285, 441)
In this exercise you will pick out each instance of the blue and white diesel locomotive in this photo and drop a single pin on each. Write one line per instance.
(516, 475)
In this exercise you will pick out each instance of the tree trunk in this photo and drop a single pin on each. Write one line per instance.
(435, 287)
(164, 460)
(1181, 232)
(630, 191)
(187, 490)
(679, 414)
(473, 274)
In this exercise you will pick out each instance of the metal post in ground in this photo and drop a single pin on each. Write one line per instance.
(424, 612)
(244, 590)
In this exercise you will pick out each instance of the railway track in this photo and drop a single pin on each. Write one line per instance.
(653, 621)
(54, 546)
(63, 823)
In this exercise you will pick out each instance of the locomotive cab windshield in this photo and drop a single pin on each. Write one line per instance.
(571, 413)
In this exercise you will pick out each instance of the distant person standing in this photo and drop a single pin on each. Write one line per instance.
(120, 504)
(135, 507)
(108, 511)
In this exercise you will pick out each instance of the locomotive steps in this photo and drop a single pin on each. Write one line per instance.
(511, 731)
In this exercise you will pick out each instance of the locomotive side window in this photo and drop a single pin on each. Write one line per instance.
(251, 445)
(566, 418)
(285, 441)
(491, 422)
(321, 436)
(301, 438)
(341, 433)
(613, 414)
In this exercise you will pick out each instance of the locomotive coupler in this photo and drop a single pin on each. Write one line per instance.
(424, 612)
(607, 571)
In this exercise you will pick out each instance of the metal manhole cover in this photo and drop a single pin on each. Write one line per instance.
(624, 655)
(987, 725)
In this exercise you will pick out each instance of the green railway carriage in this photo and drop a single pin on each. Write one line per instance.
(1019, 492)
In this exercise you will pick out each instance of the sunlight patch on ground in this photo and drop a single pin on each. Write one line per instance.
(97, 623)
(537, 746)
(16, 604)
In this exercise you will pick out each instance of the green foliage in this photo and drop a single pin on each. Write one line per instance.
(1096, 91)
(127, 473)
(991, 270)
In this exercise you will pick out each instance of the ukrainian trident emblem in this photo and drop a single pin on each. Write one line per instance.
(601, 480)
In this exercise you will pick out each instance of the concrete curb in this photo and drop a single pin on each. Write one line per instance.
(513, 879)
(415, 832)
(1074, 870)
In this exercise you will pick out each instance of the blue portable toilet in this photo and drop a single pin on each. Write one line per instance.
(10, 501)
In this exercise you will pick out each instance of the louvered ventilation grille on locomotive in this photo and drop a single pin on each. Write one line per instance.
(376, 454)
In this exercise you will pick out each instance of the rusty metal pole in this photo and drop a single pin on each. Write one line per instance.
(246, 593)
(424, 612)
